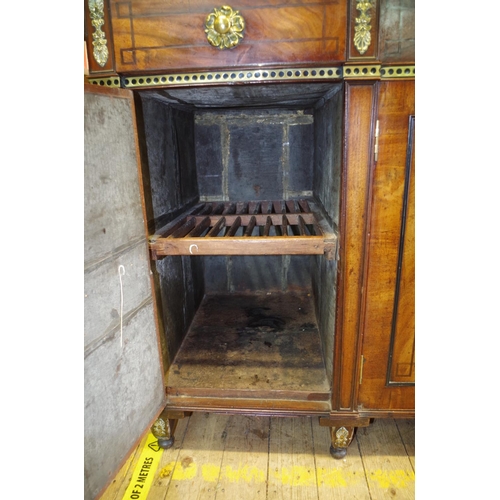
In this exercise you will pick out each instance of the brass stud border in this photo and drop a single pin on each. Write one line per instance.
(233, 76)
(361, 71)
(347, 72)
(390, 72)
(113, 82)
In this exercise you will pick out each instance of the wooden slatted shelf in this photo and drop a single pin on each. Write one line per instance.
(289, 227)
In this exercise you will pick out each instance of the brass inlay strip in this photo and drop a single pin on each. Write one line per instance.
(407, 71)
(232, 76)
(347, 72)
(362, 71)
(113, 82)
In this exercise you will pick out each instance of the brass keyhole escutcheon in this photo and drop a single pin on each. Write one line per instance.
(224, 27)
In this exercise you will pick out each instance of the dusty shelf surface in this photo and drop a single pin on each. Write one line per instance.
(252, 346)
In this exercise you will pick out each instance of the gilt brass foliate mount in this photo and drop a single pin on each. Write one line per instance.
(342, 438)
(100, 44)
(224, 27)
(362, 35)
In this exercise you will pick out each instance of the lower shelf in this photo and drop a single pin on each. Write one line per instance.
(256, 349)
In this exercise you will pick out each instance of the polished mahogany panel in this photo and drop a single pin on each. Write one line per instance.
(389, 323)
(163, 36)
(358, 161)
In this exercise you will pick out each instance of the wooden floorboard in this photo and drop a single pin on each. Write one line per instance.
(292, 472)
(245, 458)
(259, 458)
(388, 468)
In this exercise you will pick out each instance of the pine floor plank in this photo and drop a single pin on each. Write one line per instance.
(292, 474)
(167, 463)
(340, 479)
(389, 471)
(255, 458)
(244, 465)
(195, 474)
(407, 431)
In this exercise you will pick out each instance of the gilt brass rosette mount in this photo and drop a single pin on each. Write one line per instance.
(224, 27)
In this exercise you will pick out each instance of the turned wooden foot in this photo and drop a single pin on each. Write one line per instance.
(341, 439)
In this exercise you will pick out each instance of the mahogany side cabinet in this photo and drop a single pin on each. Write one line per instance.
(249, 217)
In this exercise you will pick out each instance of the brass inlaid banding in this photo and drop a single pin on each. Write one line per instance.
(348, 72)
(362, 71)
(211, 77)
(407, 71)
(106, 82)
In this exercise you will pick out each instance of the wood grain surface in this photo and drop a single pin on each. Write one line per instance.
(248, 458)
(389, 333)
(154, 36)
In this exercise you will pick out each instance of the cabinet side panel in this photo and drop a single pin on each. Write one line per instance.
(360, 99)
(113, 211)
(169, 163)
(328, 152)
(123, 381)
(102, 290)
(119, 385)
(324, 283)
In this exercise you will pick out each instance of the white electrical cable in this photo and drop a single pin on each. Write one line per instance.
(121, 272)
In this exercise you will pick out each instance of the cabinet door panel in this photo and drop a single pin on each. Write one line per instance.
(388, 374)
(124, 389)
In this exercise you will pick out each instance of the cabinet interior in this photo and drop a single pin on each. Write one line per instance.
(253, 316)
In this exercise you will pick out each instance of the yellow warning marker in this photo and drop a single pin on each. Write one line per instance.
(145, 470)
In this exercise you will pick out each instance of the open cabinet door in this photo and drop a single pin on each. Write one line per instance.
(124, 388)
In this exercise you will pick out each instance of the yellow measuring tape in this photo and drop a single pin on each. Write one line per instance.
(144, 471)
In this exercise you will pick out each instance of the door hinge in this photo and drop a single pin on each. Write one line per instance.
(361, 369)
(375, 149)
